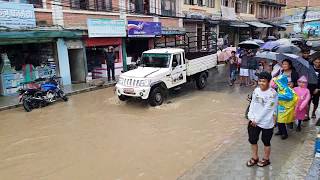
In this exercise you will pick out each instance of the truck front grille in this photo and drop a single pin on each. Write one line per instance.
(131, 82)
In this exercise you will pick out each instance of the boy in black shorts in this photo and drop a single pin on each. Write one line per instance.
(261, 114)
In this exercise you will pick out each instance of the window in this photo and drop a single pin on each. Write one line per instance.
(226, 3)
(190, 2)
(168, 7)
(200, 2)
(251, 8)
(97, 5)
(177, 59)
(210, 3)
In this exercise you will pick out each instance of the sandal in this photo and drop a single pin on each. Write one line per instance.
(252, 162)
(313, 116)
(263, 163)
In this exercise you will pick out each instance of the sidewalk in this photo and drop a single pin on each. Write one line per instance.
(290, 159)
(8, 102)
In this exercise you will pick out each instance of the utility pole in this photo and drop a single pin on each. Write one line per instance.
(304, 15)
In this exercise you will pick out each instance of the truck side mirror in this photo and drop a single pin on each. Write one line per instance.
(174, 64)
(138, 63)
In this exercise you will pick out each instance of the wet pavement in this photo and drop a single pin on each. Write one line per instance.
(9, 102)
(196, 135)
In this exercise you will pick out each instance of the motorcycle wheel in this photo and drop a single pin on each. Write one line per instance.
(63, 96)
(26, 105)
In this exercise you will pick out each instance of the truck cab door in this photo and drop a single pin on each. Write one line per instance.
(179, 70)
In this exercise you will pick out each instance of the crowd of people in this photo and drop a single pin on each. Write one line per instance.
(281, 99)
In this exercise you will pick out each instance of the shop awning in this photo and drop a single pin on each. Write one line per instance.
(17, 37)
(238, 24)
(258, 24)
(37, 34)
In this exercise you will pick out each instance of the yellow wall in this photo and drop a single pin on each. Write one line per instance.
(202, 9)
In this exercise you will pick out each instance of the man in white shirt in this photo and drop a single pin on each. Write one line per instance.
(262, 116)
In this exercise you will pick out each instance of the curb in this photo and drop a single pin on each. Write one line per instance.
(93, 88)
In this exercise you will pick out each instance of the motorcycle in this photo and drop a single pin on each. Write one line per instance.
(48, 92)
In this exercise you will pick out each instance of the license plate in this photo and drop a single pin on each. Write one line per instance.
(128, 90)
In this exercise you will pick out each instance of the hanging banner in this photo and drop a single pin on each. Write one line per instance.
(144, 29)
(16, 15)
(106, 28)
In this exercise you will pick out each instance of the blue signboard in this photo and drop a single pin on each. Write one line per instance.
(144, 29)
(106, 28)
(16, 15)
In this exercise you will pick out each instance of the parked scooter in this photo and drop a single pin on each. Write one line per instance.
(48, 92)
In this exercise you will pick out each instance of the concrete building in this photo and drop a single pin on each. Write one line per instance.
(299, 11)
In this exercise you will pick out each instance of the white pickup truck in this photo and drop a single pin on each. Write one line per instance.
(161, 70)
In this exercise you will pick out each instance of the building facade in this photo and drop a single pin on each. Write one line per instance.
(302, 18)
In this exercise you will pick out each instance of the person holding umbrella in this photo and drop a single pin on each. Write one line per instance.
(290, 72)
(305, 53)
(314, 90)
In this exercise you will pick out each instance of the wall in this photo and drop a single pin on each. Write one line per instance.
(302, 3)
(44, 17)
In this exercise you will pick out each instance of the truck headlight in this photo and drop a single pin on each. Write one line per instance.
(144, 83)
(121, 81)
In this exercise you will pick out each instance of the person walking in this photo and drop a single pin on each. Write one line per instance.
(110, 59)
(233, 61)
(314, 90)
(262, 115)
(304, 97)
(287, 100)
(290, 72)
(252, 66)
(244, 70)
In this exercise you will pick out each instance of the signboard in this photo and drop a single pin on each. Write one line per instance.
(295, 15)
(106, 28)
(144, 29)
(228, 13)
(310, 29)
(16, 15)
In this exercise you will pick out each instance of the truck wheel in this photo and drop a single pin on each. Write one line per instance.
(201, 81)
(156, 97)
(123, 98)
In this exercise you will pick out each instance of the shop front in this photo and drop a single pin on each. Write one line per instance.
(102, 35)
(141, 37)
(27, 52)
(29, 55)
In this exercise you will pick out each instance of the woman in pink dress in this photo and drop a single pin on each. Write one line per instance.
(304, 96)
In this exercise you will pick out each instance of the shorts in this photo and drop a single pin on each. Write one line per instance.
(233, 74)
(244, 72)
(254, 133)
(252, 75)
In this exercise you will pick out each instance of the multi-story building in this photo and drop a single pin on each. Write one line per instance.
(303, 16)
(201, 17)
(74, 33)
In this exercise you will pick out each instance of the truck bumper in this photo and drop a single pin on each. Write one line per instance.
(138, 92)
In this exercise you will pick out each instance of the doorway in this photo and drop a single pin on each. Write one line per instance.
(77, 66)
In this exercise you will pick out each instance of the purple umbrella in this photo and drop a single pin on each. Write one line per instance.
(270, 45)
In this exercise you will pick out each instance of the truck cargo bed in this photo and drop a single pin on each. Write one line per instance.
(197, 65)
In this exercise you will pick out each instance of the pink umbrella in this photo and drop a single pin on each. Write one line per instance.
(226, 54)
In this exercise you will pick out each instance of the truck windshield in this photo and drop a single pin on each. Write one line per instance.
(155, 60)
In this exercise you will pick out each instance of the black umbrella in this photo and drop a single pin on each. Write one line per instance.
(301, 66)
(315, 55)
(249, 45)
(289, 49)
(315, 45)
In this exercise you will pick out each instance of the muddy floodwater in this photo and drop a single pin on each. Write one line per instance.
(95, 136)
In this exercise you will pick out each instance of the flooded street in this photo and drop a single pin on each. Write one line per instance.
(95, 136)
